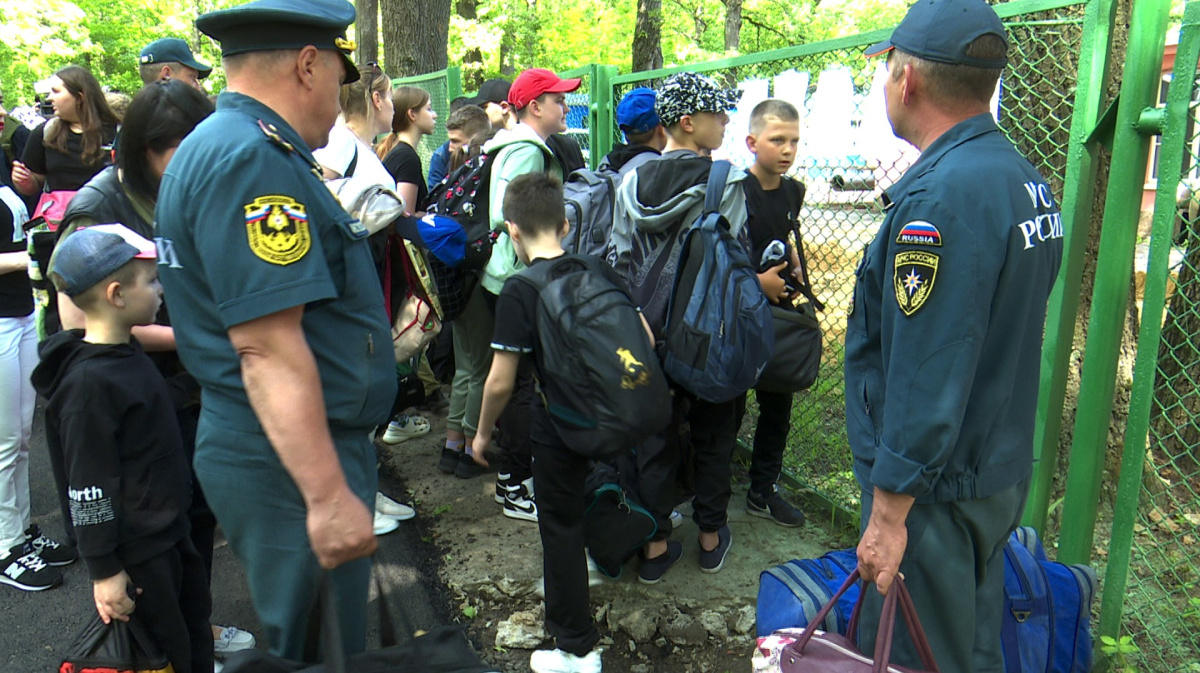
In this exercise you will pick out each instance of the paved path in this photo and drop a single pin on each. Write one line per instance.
(36, 627)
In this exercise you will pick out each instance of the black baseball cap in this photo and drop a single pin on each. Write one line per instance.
(492, 91)
(941, 30)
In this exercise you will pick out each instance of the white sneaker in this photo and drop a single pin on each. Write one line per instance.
(557, 661)
(392, 509)
(519, 502)
(405, 428)
(232, 639)
(385, 524)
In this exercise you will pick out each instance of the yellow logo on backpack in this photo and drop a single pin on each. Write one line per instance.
(636, 374)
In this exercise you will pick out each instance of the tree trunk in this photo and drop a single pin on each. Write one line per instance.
(366, 31)
(647, 36)
(471, 77)
(733, 25)
(415, 35)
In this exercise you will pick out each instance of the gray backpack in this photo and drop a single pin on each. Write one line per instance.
(590, 197)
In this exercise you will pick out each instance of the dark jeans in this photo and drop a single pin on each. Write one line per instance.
(954, 568)
(558, 478)
(770, 437)
(175, 604)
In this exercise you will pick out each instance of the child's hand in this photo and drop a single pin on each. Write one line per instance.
(112, 597)
(773, 284)
(478, 446)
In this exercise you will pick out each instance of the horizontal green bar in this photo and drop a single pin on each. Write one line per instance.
(413, 79)
(1047, 22)
(1006, 10)
(581, 71)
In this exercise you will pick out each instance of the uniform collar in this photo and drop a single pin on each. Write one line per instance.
(273, 126)
(965, 130)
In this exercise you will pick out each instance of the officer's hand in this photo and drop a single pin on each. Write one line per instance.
(773, 284)
(112, 597)
(340, 529)
(884, 540)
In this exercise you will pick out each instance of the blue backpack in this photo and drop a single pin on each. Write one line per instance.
(789, 595)
(1047, 610)
(717, 341)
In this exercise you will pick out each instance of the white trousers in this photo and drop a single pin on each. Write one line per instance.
(18, 357)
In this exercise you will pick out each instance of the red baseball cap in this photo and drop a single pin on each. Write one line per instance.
(535, 82)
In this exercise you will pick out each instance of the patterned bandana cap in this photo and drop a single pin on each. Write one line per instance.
(687, 93)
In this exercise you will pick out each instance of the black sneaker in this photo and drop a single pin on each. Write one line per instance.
(449, 460)
(435, 403)
(651, 570)
(51, 552)
(772, 506)
(467, 468)
(711, 561)
(22, 568)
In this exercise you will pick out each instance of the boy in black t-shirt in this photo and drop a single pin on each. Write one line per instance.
(773, 206)
(536, 219)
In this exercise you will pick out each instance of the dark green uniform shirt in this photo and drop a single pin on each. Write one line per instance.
(246, 228)
(944, 339)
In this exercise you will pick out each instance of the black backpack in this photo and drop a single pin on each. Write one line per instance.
(598, 375)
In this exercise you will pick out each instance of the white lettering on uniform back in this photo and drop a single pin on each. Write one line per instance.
(166, 252)
(1043, 227)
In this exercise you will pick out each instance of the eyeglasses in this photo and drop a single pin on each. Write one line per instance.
(375, 69)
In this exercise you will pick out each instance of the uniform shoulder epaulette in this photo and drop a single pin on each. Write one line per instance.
(272, 134)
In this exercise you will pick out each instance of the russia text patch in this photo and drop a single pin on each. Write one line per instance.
(920, 232)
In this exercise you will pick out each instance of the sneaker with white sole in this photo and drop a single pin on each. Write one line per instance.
(771, 505)
(557, 661)
(392, 509)
(22, 568)
(51, 552)
(519, 501)
(385, 524)
(232, 639)
(405, 428)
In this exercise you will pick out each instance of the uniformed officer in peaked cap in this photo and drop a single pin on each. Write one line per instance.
(944, 339)
(278, 311)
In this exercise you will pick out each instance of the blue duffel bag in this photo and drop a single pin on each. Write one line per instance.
(790, 594)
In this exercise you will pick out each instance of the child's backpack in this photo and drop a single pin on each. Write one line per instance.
(717, 341)
(463, 195)
(790, 594)
(597, 372)
(590, 199)
(1047, 610)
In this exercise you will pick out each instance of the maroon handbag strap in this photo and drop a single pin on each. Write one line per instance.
(897, 599)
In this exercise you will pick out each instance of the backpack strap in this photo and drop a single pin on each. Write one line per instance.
(718, 175)
(353, 162)
(794, 203)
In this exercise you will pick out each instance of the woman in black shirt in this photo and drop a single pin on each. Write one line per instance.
(65, 152)
(413, 119)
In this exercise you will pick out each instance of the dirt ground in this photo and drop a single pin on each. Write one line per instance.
(492, 565)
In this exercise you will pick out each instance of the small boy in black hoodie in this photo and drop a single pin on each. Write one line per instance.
(111, 417)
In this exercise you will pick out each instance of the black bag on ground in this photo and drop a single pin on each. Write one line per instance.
(599, 376)
(444, 649)
(615, 526)
(119, 647)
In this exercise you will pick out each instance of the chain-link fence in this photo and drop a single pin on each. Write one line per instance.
(443, 87)
(848, 156)
(1161, 590)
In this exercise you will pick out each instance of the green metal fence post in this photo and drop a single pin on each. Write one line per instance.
(1170, 162)
(1077, 202)
(603, 111)
(453, 82)
(1114, 269)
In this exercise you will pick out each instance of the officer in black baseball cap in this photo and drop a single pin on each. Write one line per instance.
(171, 58)
(266, 25)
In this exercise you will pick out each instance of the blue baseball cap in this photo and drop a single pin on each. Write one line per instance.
(635, 113)
(941, 30)
(265, 25)
(92, 254)
(172, 50)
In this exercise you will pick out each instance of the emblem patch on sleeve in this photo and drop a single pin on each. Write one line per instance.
(913, 279)
(277, 229)
(920, 232)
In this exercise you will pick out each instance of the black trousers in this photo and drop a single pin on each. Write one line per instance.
(770, 437)
(713, 433)
(558, 478)
(515, 423)
(175, 605)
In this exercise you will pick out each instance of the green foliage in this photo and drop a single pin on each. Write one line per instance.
(1116, 651)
